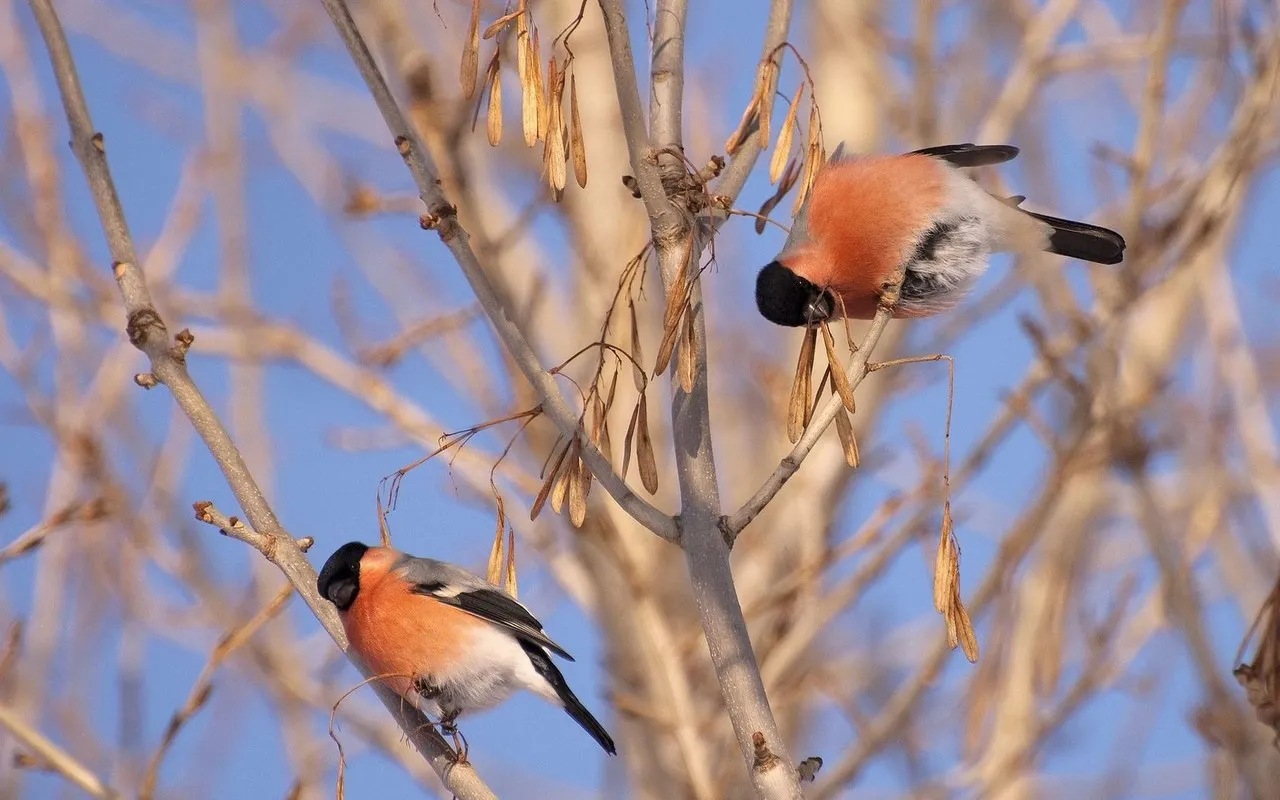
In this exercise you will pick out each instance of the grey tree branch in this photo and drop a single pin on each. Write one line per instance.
(666, 77)
(147, 331)
(443, 217)
(706, 549)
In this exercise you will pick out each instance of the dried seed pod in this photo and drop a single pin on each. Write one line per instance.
(501, 22)
(848, 442)
(526, 67)
(637, 355)
(547, 484)
(838, 377)
(494, 119)
(577, 144)
(471, 53)
(579, 485)
(553, 155)
(645, 460)
(687, 366)
(783, 148)
(561, 490)
(539, 88)
(496, 556)
(789, 178)
(945, 567)
(510, 584)
(626, 442)
(815, 157)
(739, 135)
(677, 305)
(770, 75)
(796, 409)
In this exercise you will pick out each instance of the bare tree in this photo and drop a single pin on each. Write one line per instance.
(730, 595)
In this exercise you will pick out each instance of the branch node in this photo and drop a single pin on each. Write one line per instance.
(715, 165)
(202, 510)
(765, 760)
(142, 324)
(404, 146)
(119, 269)
(305, 543)
(146, 380)
(726, 531)
(183, 342)
(442, 218)
(632, 185)
(99, 142)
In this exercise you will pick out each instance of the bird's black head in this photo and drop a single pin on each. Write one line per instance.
(339, 581)
(785, 298)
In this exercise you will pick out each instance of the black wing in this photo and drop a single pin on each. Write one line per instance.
(970, 154)
(495, 606)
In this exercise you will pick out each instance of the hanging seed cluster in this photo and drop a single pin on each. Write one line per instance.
(786, 170)
(946, 591)
(567, 481)
(542, 117)
(804, 401)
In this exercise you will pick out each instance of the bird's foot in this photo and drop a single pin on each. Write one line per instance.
(426, 689)
(449, 727)
(890, 293)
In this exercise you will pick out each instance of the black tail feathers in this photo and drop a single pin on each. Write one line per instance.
(1082, 240)
(572, 705)
(574, 708)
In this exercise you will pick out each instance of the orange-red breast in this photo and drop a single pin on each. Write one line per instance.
(866, 217)
(448, 641)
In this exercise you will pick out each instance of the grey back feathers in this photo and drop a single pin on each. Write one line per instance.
(456, 587)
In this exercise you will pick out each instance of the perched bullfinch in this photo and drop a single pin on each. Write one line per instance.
(451, 642)
(865, 217)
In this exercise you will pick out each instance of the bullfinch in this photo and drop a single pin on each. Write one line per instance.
(447, 641)
(865, 217)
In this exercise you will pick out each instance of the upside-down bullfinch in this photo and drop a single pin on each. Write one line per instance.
(445, 640)
(865, 217)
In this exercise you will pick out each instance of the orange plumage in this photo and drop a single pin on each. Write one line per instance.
(864, 213)
(399, 633)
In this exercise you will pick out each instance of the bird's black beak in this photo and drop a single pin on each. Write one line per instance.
(819, 308)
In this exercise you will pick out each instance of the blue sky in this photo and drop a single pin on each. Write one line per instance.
(295, 256)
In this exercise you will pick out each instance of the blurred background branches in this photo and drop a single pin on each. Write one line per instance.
(1115, 485)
